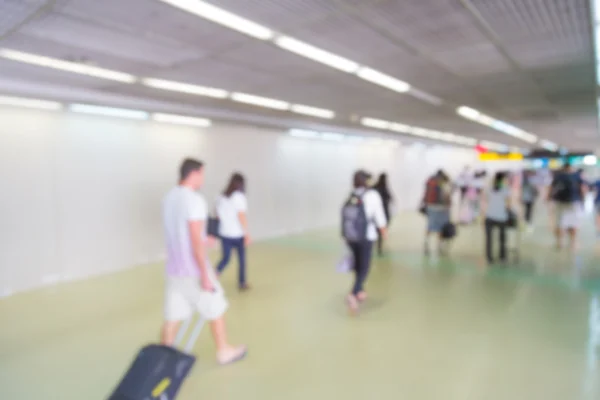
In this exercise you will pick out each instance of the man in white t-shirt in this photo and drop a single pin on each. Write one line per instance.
(191, 282)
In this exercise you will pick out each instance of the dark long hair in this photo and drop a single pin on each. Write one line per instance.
(498, 179)
(237, 183)
(382, 187)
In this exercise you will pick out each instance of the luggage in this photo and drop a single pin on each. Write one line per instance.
(354, 219)
(158, 371)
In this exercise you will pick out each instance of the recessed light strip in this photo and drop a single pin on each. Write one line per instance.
(316, 54)
(339, 137)
(109, 111)
(185, 88)
(105, 111)
(417, 131)
(181, 120)
(312, 111)
(77, 68)
(501, 126)
(223, 17)
(260, 101)
(383, 80)
(240, 24)
(30, 103)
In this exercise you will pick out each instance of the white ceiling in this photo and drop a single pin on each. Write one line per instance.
(527, 62)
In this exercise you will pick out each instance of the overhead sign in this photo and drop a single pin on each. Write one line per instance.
(491, 156)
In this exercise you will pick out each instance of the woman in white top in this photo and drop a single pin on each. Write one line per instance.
(497, 215)
(362, 249)
(232, 207)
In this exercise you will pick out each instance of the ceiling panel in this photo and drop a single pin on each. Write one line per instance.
(100, 39)
(542, 82)
(281, 15)
(343, 35)
(154, 21)
(270, 59)
(15, 12)
(220, 74)
(57, 49)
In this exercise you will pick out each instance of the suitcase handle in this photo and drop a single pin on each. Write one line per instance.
(193, 336)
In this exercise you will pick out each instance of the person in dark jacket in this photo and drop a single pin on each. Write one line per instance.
(386, 197)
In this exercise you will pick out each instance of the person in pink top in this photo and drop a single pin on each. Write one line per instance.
(192, 285)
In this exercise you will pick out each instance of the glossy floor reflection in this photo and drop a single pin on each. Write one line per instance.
(449, 328)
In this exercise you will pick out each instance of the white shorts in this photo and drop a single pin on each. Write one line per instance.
(568, 215)
(184, 296)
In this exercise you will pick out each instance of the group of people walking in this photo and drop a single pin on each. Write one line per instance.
(192, 285)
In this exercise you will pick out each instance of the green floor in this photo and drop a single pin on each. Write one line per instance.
(449, 329)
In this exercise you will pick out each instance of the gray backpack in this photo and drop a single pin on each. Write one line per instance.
(354, 219)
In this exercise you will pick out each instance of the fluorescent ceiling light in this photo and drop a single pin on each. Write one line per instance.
(493, 145)
(382, 79)
(223, 17)
(375, 123)
(29, 103)
(590, 159)
(181, 120)
(333, 137)
(548, 145)
(316, 54)
(67, 66)
(185, 88)
(468, 112)
(109, 111)
(303, 133)
(418, 131)
(312, 111)
(400, 128)
(260, 101)
(477, 116)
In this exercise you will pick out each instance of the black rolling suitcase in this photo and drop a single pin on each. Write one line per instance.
(158, 371)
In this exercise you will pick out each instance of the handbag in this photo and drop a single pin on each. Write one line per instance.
(213, 226)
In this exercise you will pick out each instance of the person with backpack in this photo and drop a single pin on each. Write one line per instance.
(496, 209)
(232, 208)
(437, 201)
(362, 216)
(566, 193)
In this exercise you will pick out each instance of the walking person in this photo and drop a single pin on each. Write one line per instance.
(437, 202)
(596, 189)
(566, 192)
(232, 209)
(362, 215)
(386, 197)
(497, 206)
(529, 194)
(192, 285)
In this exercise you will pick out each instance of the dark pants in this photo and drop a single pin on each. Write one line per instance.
(361, 252)
(228, 244)
(528, 211)
(490, 225)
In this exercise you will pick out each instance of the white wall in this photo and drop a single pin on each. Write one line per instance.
(81, 194)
